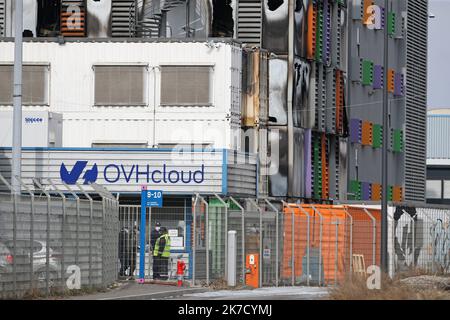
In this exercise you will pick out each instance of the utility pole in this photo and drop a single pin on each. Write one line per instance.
(384, 164)
(17, 99)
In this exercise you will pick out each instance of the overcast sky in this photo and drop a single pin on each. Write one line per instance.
(439, 55)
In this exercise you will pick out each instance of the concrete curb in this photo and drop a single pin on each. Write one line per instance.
(159, 295)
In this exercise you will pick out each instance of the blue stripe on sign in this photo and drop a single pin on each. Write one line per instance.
(224, 172)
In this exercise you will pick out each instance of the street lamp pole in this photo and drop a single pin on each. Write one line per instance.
(17, 99)
(384, 165)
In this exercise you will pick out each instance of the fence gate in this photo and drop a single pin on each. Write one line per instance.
(129, 235)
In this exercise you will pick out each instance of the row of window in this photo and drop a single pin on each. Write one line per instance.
(117, 85)
(438, 189)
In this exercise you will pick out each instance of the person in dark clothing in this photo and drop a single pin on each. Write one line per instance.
(156, 233)
(161, 255)
(133, 252)
(127, 251)
(123, 251)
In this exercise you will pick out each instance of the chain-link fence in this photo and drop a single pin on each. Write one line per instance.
(53, 241)
(306, 244)
(175, 220)
(419, 239)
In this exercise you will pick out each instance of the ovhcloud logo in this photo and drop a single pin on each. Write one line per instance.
(72, 177)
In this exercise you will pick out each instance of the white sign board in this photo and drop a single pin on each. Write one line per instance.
(176, 242)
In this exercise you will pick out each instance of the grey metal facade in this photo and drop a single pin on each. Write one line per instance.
(407, 97)
(438, 129)
(416, 99)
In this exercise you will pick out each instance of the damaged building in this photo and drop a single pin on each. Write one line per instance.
(308, 98)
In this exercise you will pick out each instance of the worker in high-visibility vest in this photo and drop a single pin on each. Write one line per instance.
(161, 255)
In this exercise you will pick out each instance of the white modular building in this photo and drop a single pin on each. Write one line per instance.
(131, 93)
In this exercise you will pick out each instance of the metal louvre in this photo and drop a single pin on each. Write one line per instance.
(35, 78)
(249, 21)
(122, 14)
(181, 85)
(122, 85)
(2, 18)
(416, 100)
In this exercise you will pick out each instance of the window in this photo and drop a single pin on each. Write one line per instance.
(434, 189)
(446, 189)
(119, 85)
(186, 85)
(34, 87)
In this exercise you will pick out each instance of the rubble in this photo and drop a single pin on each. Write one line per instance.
(427, 282)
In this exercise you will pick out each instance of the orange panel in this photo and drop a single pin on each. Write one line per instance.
(376, 192)
(367, 129)
(364, 232)
(366, 15)
(397, 194)
(391, 79)
(334, 250)
(339, 101)
(76, 19)
(311, 34)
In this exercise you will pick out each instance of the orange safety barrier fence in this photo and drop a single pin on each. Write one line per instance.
(346, 230)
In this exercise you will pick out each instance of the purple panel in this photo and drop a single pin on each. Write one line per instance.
(308, 173)
(326, 28)
(377, 77)
(366, 191)
(355, 130)
(398, 84)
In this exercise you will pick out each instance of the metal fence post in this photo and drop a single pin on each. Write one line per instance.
(351, 242)
(320, 242)
(374, 235)
(231, 262)
(194, 236)
(292, 242)
(77, 252)
(47, 249)
(226, 231)
(31, 229)
(261, 260)
(15, 205)
(103, 241)
(242, 237)
(63, 223)
(206, 236)
(308, 244)
(91, 220)
(277, 245)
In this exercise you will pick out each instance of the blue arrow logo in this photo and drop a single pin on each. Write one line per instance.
(90, 176)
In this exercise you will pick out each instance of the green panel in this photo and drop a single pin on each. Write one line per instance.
(391, 23)
(397, 141)
(377, 138)
(317, 170)
(214, 202)
(355, 189)
(367, 72)
(319, 33)
(390, 193)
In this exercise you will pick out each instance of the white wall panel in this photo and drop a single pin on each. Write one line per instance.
(72, 89)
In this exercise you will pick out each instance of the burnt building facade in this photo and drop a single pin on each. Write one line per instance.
(311, 81)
